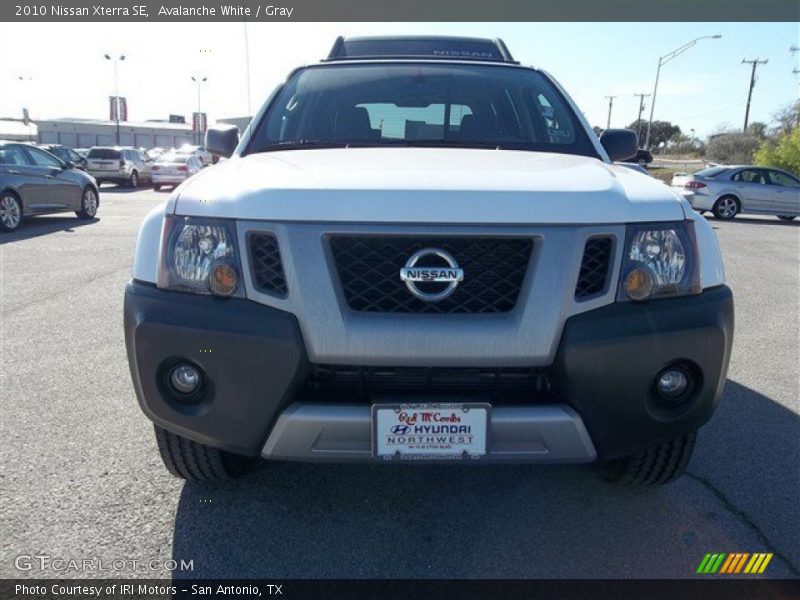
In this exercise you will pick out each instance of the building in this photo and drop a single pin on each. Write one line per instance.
(85, 133)
(240, 122)
(15, 130)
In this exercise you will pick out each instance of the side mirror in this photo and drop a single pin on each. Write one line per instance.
(620, 144)
(68, 164)
(222, 141)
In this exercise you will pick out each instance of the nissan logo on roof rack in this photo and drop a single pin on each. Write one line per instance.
(419, 47)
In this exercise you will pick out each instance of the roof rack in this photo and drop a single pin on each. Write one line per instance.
(461, 48)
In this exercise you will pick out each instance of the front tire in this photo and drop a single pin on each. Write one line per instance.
(156, 187)
(10, 212)
(89, 204)
(786, 217)
(197, 462)
(133, 182)
(655, 466)
(726, 208)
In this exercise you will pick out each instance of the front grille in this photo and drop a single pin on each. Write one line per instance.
(500, 383)
(369, 272)
(594, 267)
(265, 263)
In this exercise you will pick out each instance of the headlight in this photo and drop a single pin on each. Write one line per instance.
(200, 256)
(660, 260)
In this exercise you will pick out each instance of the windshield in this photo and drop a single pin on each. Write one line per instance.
(711, 172)
(420, 105)
(104, 153)
(174, 158)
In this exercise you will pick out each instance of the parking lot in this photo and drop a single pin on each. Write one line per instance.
(81, 476)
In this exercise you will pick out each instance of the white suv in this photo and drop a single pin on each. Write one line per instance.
(419, 251)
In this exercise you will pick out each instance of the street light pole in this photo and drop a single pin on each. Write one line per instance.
(199, 81)
(117, 103)
(662, 60)
(26, 110)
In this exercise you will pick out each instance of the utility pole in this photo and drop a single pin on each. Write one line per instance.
(641, 110)
(247, 68)
(755, 62)
(610, 106)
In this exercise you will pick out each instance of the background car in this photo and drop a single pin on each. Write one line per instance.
(173, 169)
(199, 151)
(124, 166)
(68, 155)
(33, 181)
(154, 153)
(729, 190)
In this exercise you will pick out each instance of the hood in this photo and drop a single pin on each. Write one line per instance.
(426, 185)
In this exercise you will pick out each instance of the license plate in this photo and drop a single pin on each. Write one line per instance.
(444, 431)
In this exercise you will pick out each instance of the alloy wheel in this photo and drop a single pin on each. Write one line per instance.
(10, 213)
(90, 202)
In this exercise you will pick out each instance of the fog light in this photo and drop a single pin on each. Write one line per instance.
(639, 284)
(672, 383)
(222, 279)
(185, 379)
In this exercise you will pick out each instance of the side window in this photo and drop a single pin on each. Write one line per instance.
(43, 159)
(750, 176)
(778, 178)
(13, 155)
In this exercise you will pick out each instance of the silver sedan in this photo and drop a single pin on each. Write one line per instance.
(728, 191)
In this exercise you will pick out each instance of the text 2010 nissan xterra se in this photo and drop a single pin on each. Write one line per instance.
(420, 251)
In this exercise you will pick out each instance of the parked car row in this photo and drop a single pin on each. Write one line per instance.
(51, 178)
(34, 181)
(727, 191)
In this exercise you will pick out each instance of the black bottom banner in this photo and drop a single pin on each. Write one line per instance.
(389, 589)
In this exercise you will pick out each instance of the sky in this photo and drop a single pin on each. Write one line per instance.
(65, 75)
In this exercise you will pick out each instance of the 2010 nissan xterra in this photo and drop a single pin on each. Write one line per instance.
(420, 251)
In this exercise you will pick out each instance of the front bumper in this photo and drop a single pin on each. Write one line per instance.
(604, 403)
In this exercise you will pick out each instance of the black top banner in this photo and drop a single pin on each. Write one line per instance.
(401, 10)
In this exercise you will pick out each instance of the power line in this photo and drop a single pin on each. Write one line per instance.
(755, 62)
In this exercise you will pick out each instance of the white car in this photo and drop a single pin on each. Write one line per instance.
(174, 169)
(727, 191)
(406, 259)
(200, 152)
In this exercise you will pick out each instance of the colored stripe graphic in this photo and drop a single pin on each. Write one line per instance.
(711, 563)
(703, 563)
(736, 562)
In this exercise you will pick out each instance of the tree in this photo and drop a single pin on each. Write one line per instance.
(757, 129)
(660, 133)
(787, 119)
(732, 148)
(783, 154)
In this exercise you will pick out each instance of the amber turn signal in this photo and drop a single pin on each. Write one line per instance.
(639, 284)
(222, 279)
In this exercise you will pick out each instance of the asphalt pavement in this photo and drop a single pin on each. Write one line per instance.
(80, 476)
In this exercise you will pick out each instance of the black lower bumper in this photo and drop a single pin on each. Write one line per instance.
(255, 362)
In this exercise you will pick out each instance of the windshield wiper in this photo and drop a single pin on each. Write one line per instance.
(303, 144)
